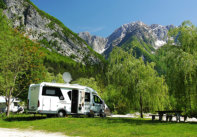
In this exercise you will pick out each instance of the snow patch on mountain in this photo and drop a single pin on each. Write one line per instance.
(159, 43)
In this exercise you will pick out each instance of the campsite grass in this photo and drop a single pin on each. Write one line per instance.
(100, 127)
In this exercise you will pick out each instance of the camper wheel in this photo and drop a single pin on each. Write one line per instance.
(61, 113)
(102, 114)
(91, 115)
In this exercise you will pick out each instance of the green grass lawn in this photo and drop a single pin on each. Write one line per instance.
(101, 127)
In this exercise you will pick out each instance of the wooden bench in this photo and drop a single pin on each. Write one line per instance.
(153, 116)
(169, 117)
(185, 117)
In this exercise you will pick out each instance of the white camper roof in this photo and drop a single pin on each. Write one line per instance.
(63, 85)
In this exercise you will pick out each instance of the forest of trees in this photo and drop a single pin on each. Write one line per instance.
(127, 83)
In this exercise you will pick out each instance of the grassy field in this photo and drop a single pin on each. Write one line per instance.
(101, 127)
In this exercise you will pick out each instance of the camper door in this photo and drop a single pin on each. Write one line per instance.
(74, 101)
(97, 104)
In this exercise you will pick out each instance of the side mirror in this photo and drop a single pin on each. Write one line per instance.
(103, 102)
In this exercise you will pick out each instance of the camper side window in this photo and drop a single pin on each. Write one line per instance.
(97, 100)
(69, 94)
(15, 104)
(87, 97)
(52, 91)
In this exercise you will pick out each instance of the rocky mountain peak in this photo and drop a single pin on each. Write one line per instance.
(96, 42)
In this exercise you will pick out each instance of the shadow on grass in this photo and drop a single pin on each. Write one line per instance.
(108, 120)
(23, 118)
(139, 121)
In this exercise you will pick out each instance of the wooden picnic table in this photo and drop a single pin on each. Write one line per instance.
(170, 114)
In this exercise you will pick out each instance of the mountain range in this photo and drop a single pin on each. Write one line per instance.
(154, 36)
(55, 36)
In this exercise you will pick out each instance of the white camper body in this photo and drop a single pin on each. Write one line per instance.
(64, 99)
(14, 106)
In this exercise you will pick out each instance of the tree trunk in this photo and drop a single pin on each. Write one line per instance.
(8, 104)
(9, 97)
(141, 107)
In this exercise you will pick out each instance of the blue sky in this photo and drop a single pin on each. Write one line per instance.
(102, 17)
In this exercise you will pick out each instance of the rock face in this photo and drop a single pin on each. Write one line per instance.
(154, 35)
(47, 30)
(97, 43)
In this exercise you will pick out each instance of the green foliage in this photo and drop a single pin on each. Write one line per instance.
(140, 48)
(137, 85)
(2, 5)
(115, 100)
(185, 37)
(50, 77)
(178, 61)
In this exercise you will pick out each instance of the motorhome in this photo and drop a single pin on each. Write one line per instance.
(64, 99)
(14, 105)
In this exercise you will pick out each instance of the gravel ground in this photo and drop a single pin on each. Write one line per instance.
(5, 132)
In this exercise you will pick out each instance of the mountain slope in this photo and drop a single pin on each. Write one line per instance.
(47, 30)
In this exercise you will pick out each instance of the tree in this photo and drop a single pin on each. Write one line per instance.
(139, 84)
(179, 65)
(50, 77)
(19, 59)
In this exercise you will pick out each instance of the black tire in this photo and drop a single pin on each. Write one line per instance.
(102, 114)
(91, 115)
(61, 113)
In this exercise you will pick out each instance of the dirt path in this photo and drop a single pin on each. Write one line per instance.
(5, 132)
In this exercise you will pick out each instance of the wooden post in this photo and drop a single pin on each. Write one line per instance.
(160, 116)
(167, 116)
(185, 118)
(177, 117)
(153, 117)
(170, 118)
